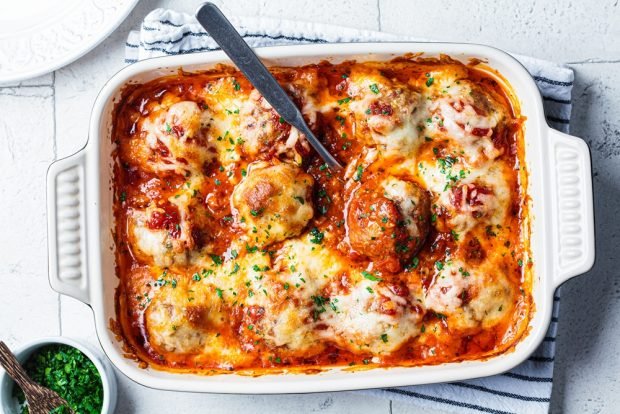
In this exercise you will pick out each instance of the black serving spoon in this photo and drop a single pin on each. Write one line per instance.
(231, 42)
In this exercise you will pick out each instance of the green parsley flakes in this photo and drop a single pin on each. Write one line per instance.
(344, 100)
(371, 276)
(317, 236)
(70, 373)
(216, 259)
(359, 171)
(429, 80)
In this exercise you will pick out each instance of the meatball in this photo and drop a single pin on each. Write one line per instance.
(471, 116)
(184, 119)
(265, 132)
(388, 221)
(388, 109)
(394, 319)
(470, 297)
(174, 324)
(260, 126)
(273, 202)
(173, 139)
(156, 236)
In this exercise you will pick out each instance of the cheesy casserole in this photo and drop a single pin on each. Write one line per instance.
(239, 250)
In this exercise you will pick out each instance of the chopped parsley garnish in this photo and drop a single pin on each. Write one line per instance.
(256, 213)
(439, 265)
(168, 128)
(374, 88)
(219, 292)
(320, 302)
(384, 337)
(70, 373)
(429, 80)
(344, 100)
(216, 259)
(463, 272)
(415, 262)
(196, 277)
(123, 197)
(446, 162)
(455, 235)
(317, 236)
(359, 171)
(236, 84)
(371, 276)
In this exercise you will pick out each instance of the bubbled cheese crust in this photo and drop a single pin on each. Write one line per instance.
(238, 249)
(386, 109)
(272, 203)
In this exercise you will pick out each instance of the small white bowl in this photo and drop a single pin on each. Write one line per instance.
(8, 403)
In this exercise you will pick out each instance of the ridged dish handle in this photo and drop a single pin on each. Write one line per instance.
(66, 218)
(571, 189)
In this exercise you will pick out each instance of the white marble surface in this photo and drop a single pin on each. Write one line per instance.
(46, 119)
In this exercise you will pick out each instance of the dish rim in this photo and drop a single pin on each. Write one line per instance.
(333, 379)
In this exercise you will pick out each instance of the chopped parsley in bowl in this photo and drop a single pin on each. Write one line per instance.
(76, 371)
(66, 370)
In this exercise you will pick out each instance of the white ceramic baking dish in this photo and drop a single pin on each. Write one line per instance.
(81, 250)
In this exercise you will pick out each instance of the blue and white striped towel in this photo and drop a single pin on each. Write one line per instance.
(526, 388)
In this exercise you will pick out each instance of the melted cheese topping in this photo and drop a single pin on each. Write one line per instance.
(238, 249)
(386, 109)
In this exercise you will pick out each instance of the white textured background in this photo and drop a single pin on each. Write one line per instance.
(46, 118)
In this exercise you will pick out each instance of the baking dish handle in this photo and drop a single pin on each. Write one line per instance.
(66, 227)
(571, 190)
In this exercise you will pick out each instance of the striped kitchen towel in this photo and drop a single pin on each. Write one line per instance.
(526, 388)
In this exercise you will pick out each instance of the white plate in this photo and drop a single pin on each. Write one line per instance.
(40, 36)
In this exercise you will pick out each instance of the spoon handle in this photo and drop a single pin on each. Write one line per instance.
(231, 42)
(13, 367)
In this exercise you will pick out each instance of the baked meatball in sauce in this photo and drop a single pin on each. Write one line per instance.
(387, 220)
(273, 203)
